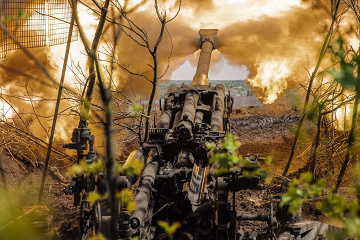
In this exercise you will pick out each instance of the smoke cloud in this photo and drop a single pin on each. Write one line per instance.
(37, 94)
(31, 95)
(274, 39)
(172, 51)
(275, 49)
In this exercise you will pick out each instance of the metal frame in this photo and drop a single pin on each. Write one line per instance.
(35, 23)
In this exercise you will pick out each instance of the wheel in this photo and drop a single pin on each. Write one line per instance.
(101, 221)
(97, 222)
(84, 214)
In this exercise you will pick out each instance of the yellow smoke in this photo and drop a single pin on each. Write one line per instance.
(274, 39)
(34, 93)
(272, 77)
(275, 48)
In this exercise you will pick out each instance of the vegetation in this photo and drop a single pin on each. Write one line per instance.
(236, 87)
(323, 98)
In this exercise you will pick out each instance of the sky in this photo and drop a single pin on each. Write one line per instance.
(269, 43)
(220, 15)
(221, 70)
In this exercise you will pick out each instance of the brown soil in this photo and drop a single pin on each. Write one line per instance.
(264, 130)
(267, 130)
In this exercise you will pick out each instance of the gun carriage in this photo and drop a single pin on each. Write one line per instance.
(178, 182)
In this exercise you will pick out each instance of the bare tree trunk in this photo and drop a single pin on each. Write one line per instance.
(108, 125)
(110, 164)
(311, 82)
(316, 144)
(155, 79)
(56, 110)
(93, 50)
(352, 137)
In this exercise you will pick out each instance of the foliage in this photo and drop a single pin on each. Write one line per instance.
(132, 167)
(339, 209)
(225, 153)
(169, 229)
(334, 205)
(93, 197)
(126, 198)
(19, 211)
(21, 15)
(82, 167)
(98, 236)
(236, 87)
(347, 64)
(224, 156)
(85, 109)
(135, 110)
(301, 189)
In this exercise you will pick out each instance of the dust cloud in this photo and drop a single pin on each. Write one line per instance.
(171, 53)
(276, 49)
(274, 43)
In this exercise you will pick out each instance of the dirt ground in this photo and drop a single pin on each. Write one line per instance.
(268, 131)
(264, 130)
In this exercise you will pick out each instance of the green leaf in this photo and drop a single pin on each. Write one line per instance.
(85, 109)
(268, 160)
(82, 167)
(132, 167)
(92, 197)
(126, 198)
(305, 177)
(311, 113)
(210, 145)
(97, 236)
(75, 170)
(299, 192)
(353, 226)
(285, 199)
(118, 167)
(300, 189)
(345, 75)
(135, 109)
(169, 229)
(95, 167)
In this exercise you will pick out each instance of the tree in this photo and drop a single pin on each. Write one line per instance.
(335, 16)
(349, 78)
(141, 38)
(95, 73)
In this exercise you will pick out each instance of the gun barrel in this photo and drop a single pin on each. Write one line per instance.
(143, 197)
(207, 46)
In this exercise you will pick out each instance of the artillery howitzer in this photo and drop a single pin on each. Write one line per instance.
(178, 182)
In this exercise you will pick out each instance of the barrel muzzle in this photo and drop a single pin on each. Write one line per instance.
(207, 46)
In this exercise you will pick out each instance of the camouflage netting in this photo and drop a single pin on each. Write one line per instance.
(34, 23)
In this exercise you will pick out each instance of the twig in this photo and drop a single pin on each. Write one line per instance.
(37, 140)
